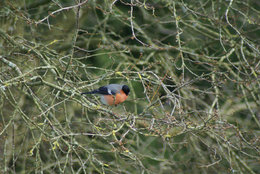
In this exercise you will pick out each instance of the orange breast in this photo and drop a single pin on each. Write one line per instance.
(117, 99)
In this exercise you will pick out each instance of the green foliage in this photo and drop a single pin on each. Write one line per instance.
(193, 71)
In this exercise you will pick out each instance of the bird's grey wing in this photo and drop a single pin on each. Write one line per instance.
(114, 88)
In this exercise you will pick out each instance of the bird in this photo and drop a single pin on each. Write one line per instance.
(112, 94)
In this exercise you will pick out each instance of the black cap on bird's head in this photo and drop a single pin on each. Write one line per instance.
(126, 89)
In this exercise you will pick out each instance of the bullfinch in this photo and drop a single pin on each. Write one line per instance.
(112, 94)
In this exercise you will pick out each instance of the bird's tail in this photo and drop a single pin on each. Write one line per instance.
(91, 92)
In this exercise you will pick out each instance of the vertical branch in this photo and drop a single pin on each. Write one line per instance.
(238, 32)
(13, 145)
(179, 32)
(74, 40)
(132, 24)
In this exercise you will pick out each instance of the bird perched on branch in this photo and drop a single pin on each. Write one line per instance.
(112, 94)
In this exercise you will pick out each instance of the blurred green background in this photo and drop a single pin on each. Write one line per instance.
(193, 68)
